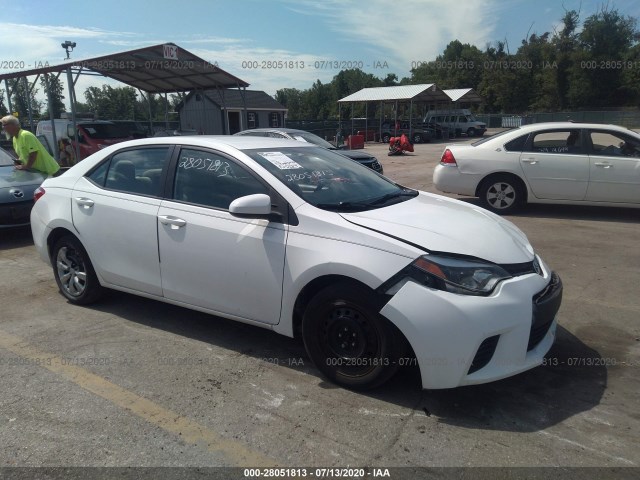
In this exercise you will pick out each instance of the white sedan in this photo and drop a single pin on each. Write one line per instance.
(570, 163)
(293, 237)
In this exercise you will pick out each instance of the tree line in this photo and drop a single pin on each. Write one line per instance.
(106, 102)
(590, 64)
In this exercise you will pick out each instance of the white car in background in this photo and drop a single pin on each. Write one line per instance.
(288, 236)
(570, 163)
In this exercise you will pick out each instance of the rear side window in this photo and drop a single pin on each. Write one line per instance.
(558, 141)
(517, 144)
(137, 171)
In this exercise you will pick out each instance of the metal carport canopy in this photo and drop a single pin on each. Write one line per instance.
(149, 69)
(463, 95)
(428, 92)
(425, 92)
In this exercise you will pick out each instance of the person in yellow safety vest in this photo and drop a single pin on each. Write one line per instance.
(31, 153)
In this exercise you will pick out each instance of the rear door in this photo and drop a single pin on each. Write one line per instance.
(210, 258)
(615, 167)
(115, 208)
(556, 164)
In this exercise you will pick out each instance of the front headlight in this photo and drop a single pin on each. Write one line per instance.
(453, 274)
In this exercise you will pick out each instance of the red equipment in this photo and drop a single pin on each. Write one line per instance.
(399, 145)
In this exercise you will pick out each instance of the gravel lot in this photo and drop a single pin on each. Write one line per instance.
(134, 382)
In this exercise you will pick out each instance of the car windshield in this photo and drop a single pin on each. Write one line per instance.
(328, 180)
(311, 138)
(486, 139)
(5, 158)
(104, 130)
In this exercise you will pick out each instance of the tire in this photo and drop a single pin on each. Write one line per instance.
(74, 272)
(502, 194)
(471, 132)
(350, 310)
(386, 137)
(417, 138)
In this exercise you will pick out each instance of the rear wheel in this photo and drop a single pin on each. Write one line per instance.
(417, 138)
(73, 271)
(502, 194)
(386, 137)
(348, 340)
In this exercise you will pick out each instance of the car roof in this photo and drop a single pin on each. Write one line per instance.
(240, 142)
(571, 125)
(275, 129)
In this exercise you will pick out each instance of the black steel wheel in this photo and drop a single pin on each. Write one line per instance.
(348, 340)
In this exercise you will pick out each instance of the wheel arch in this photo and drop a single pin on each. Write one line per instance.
(501, 173)
(55, 235)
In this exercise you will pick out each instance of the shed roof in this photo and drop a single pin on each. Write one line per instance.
(421, 92)
(255, 99)
(463, 94)
(160, 68)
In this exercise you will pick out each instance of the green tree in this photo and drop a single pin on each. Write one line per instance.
(20, 99)
(57, 97)
(111, 103)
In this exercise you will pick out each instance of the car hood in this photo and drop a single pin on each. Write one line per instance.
(353, 155)
(440, 224)
(10, 177)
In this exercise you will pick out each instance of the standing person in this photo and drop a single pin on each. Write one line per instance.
(31, 153)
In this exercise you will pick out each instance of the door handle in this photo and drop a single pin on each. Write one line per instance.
(602, 164)
(531, 161)
(84, 202)
(173, 222)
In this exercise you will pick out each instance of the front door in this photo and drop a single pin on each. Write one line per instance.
(234, 122)
(556, 165)
(210, 258)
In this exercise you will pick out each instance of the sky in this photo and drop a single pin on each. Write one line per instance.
(379, 36)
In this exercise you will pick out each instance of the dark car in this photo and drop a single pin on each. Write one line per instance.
(133, 128)
(417, 134)
(303, 136)
(16, 192)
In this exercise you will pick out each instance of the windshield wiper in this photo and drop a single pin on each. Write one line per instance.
(345, 206)
(406, 192)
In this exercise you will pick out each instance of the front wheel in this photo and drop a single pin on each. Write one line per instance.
(386, 138)
(502, 194)
(74, 273)
(417, 138)
(471, 132)
(348, 340)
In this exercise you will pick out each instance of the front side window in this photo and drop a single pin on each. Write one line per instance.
(328, 180)
(212, 180)
(614, 144)
(136, 171)
(557, 141)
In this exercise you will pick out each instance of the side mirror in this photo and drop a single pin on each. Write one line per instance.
(251, 205)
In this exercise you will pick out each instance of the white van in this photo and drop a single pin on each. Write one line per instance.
(459, 120)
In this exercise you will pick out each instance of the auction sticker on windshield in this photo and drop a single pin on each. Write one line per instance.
(280, 160)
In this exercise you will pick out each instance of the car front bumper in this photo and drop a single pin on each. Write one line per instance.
(15, 214)
(464, 340)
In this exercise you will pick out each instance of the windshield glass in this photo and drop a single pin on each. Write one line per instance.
(104, 130)
(328, 180)
(5, 158)
(311, 138)
(486, 139)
